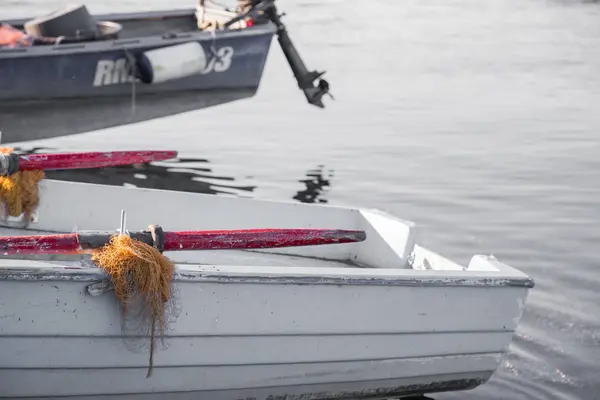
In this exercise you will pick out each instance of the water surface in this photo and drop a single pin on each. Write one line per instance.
(476, 119)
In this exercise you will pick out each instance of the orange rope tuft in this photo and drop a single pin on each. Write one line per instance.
(139, 274)
(19, 192)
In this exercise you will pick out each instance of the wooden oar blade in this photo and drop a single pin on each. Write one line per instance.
(95, 159)
(243, 239)
(258, 238)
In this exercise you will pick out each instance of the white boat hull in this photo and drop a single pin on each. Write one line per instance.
(254, 325)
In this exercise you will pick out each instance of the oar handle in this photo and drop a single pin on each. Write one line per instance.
(9, 164)
(89, 240)
(40, 244)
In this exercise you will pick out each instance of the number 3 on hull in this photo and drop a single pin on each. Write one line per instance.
(220, 61)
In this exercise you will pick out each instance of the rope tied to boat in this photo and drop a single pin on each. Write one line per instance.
(19, 191)
(141, 277)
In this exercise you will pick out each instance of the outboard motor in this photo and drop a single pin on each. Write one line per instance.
(266, 8)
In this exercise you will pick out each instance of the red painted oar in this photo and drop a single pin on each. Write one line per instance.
(13, 162)
(96, 159)
(84, 241)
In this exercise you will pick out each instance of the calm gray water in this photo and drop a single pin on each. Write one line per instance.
(477, 119)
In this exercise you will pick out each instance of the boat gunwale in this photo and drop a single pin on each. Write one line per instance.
(194, 272)
(99, 46)
(123, 16)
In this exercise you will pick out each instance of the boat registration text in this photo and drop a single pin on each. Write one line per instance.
(117, 71)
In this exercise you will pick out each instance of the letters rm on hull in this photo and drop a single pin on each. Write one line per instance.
(115, 72)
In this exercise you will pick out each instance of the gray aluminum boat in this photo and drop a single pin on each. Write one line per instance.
(136, 67)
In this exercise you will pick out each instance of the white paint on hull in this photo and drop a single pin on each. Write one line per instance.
(110, 381)
(238, 308)
(212, 351)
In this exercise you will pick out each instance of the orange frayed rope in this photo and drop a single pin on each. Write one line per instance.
(141, 277)
(19, 192)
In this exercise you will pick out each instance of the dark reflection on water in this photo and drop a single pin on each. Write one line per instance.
(180, 174)
(316, 184)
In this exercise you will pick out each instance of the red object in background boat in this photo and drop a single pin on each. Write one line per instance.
(241, 239)
(11, 37)
(90, 159)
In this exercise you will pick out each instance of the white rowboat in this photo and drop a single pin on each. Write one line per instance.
(384, 317)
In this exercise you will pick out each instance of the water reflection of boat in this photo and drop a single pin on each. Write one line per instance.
(182, 174)
(316, 184)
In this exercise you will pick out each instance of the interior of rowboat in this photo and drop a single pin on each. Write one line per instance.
(74, 24)
(389, 250)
